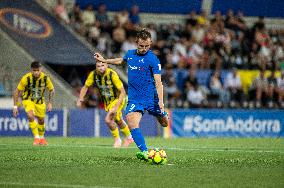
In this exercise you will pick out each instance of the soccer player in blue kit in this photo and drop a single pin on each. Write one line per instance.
(145, 88)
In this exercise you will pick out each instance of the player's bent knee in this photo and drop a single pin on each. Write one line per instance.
(164, 122)
(108, 120)
(40, 121)
(119, 122)
(30, 116)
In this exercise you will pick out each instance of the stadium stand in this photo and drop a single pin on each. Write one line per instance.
(200, 44)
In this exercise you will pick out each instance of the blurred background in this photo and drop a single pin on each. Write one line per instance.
(222, 62)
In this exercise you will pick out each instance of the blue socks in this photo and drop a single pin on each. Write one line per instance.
(139, 139)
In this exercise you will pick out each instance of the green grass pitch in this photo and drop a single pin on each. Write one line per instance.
(92, 162)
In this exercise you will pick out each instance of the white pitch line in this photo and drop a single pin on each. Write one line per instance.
(227, 149)
(204, 149)
(50, 185)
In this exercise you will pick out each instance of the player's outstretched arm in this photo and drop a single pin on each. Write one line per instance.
(115, 61)
(50, 100)
(122, 95)
(81, 96)
(159, 86)
(16, 95)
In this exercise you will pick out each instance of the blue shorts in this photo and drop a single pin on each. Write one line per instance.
(152, 108)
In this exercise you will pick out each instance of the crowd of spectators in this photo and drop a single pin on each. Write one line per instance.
(216, 43)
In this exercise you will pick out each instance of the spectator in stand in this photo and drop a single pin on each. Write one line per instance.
(187, 32)
(134, 17)
(88, 16)
(181, 75)
(218, 18)
(180, 48)
(122, 18)
(161, 50)
(168, 74)
(76, 20)
(102, 18)
(195, 97)
(262, 39)
(213, 47)
(239, 52)
(92, 26)
(171, 91)
(254, 57)
(202, 18)
(118, 36)
(241, 21)
(191, 82)
(94, 34)
(234, 86)
(217, 88)
(173, 94)
(60, 12)
(259, 24)
(272, 88)
(191, 79)
(231, 22)
(152, 29)
(259, 90)
(195, 55)
(191, 18)
(198, 33)
(128, 44)
(277, 53)
(223, 40)
(280, 84)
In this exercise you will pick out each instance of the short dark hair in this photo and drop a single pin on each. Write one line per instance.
(143, 34)
(35, 65)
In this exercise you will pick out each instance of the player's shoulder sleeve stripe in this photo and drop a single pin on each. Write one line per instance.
(115, 79)
(90, 80)
(48, 82)
(27, 75)
(111, 71)
(24, 81)
(45, 75)
(113, 74)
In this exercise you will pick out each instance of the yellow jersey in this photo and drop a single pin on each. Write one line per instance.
(33, 89)
(108, 84)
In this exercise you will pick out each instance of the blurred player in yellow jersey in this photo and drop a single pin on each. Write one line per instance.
(113, 95)
(31, 88)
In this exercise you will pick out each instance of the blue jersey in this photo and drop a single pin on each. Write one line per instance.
(141, 70)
